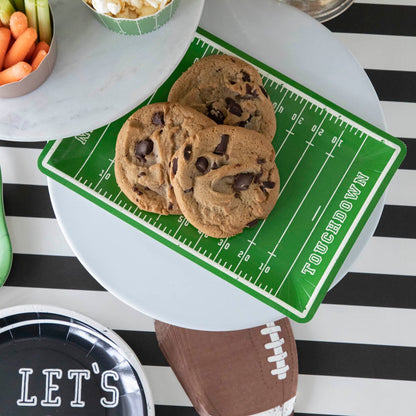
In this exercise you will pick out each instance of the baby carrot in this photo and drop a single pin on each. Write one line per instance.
(18, 24)
(15, 73)
(41, 46)
(31, 53)
(4, 43)
(38, 59)
(20, 47)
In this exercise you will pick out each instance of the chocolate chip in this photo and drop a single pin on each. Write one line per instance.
(237, 195)
(242, 181)
(248, 89)
(174, 166)
(245, 122)
(136, 190)
(269, 184)
(215, 115)
(253, 223)
(186, 191)
(260, 160)
(187, 152)
(258, 176)
(264, 190)
(143, 148)
(202, 164)
(246, 77)
(214, 166)
(141, 174)
(170, 206)
(222, 146)
(233, 107)
(158, 119)
(264, 92)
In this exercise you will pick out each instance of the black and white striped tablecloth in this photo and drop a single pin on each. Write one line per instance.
(358, 355)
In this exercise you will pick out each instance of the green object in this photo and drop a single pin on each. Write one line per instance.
(5, 244)
(6, 10)
(44, 21)
(333, 167)
(19, 5)
(136, 26)
(30, 11)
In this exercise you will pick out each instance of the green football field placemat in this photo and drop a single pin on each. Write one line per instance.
(333, 167)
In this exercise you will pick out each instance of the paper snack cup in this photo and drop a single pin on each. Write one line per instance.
(35, 78)
(137, 26)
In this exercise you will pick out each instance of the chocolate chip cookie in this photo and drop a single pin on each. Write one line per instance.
(229, 91)
(145, 145)
(225, 179)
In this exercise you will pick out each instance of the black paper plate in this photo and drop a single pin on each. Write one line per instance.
(57, 362)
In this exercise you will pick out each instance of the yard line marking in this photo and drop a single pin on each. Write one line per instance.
(303, 154)
(176, 232)
(321, 215)
(92, 151)
(290, 131)
(251, 243)
(301, 203)
(316, 212)
(223, 244)
(199, 239)
(280, 103)
(103, 175)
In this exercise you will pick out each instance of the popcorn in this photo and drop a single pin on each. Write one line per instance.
(129, 9)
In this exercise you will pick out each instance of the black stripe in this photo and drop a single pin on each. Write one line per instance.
(394, 85)
(380, 290)
(27, 201)
(376, 19)
(397, 221)
(175, 411)
(409, 161)
(163, 410)
(55, 272)
(357, 360)
(23, 145)
(316, 358)
(361, 289)
(145, 346)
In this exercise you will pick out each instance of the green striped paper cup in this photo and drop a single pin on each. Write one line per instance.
(138, 26)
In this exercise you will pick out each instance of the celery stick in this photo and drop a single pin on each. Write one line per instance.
(44, 21)
(6, 10)
(30, 7)
(20, 5)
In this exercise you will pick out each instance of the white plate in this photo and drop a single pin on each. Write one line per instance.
(99, 75)
(156, 280)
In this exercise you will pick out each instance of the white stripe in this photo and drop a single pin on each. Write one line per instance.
(401, 190)
(332, 323)
(20, 166)
(100, 306)
(359, 325)
(316, 394)
(400, 118)
(165, 387)
(37, 236)
(389, 2)
(386, 255)
(355, 396)
(381, 51)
